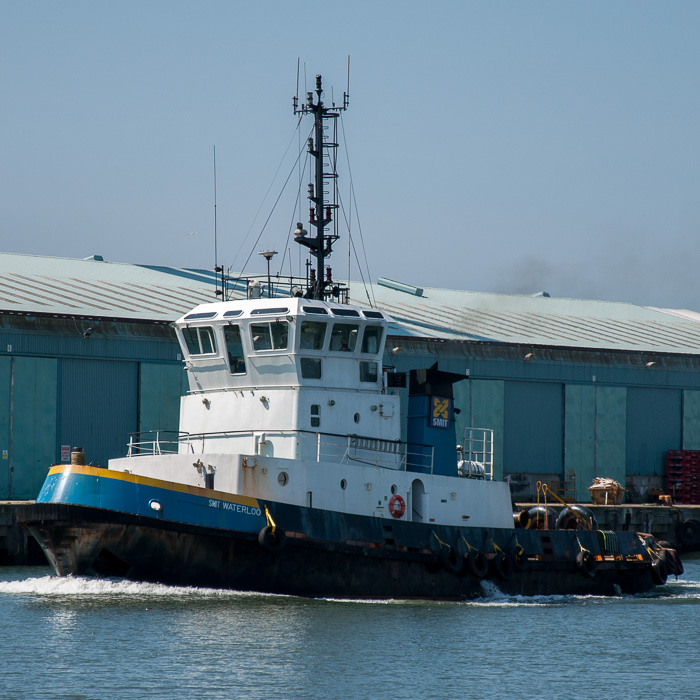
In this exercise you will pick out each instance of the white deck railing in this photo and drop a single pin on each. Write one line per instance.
(324, 447)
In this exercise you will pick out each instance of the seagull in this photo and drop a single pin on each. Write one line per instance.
(88, 332)
(194, 233)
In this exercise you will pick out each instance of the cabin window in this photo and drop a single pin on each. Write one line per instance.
(312, 335)
(203, 314)
(315, 415)
(270, 336)
(344, 337)
(310, 367)
(234, 347)
(199, 341)
(368, 371)
(272, 311)
(372, 339)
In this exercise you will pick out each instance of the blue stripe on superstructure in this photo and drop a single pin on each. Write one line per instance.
(135, 498)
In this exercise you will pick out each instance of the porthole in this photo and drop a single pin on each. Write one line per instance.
(356, 418)
(282, 478)
(343, 484)
(393, 489)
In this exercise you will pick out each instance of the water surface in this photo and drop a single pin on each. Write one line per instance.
(80, 638)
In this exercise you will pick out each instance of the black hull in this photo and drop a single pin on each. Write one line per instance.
(90, 541)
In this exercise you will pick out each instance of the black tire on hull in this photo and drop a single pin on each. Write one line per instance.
(568, 521)
(476, 564)
(450, 560)
(689, 533)
(519, 558)
(272, 539)
(659, 572)
(586, 564)
(502, 566)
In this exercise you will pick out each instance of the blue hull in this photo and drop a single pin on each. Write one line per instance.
(93, 521)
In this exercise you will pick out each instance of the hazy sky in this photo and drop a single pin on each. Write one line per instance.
(494, 146)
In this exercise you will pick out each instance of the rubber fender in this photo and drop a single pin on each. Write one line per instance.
(476, 563)
(688, 533)
(537, 519)
(659, 572)
(670, 558)
(450, 560)
(502, 566)
(519, 558)
(568, 521)
(586, 564)
(272, 539)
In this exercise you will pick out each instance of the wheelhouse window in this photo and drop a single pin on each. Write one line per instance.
(199, 340)
(372, 339)
(234, 348)
(315, 415)
(344, 337)
(312, 335)
(310, 367)
(270, 336)
(368, 372)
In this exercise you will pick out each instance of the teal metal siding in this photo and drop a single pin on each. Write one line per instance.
(534, 428)
(691, 420)
(594, 434)
(33, 447)
(481, 406)
(98, 406)
(160, 389)
(653, 427)
(579, 435)
(5, 386)
(610, 432)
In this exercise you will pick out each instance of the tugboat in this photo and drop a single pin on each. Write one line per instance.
(289, 474)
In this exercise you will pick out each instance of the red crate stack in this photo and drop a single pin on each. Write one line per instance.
(683, 476)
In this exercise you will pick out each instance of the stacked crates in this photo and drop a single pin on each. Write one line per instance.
(683, 476)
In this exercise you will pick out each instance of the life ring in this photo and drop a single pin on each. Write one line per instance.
(272, 539)
(397, 506)
(476, 563)
(689, 533)
(659, 572)
(502, 566)
(586, 564)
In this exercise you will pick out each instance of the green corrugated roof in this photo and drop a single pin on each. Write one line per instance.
(99, 289)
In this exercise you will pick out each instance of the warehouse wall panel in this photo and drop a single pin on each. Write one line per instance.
(98, 406)
(534, 421)
(653, 427)
(34, 402)
(610, 430)
(5, 386)
(160, 389)
(481, 404)
(579, 435)
(691, 420)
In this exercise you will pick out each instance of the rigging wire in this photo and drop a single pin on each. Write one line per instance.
(257, 213)
(294, 216)
(269, 216)
(357, 213)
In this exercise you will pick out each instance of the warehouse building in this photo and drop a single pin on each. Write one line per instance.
(573, 389)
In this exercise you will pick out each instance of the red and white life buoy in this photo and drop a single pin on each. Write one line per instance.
(397, 506)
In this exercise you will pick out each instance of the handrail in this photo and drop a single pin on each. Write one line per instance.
(407, 453)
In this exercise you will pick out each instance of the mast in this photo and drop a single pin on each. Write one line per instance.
(320, 209)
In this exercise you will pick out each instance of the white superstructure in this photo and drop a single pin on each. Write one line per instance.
(288, 402)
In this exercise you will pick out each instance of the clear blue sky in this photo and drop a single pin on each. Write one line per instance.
(494, 146)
